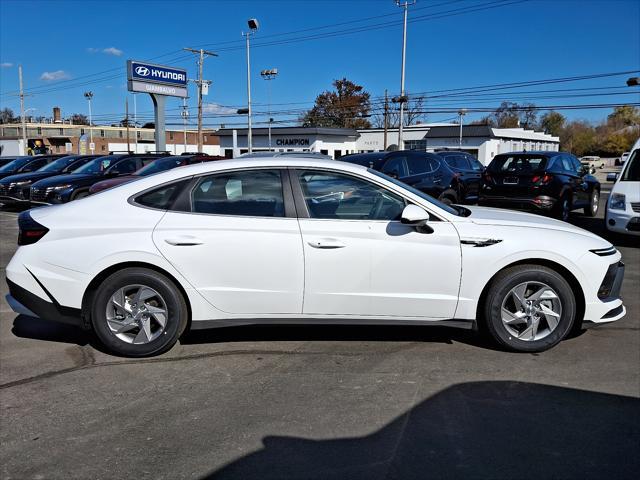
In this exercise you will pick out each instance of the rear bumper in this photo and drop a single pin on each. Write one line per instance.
(540, 203)
(24, 302)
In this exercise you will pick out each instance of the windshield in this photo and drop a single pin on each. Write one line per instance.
(161, 165)
(518, 164)
(632, 171)
(14, 165)
(424, 196)
(57, 165)
(98, 165)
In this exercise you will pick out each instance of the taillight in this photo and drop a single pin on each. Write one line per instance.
(30, 231)
(543, 179)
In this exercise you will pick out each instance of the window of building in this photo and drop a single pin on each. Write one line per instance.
(103, 148)
(337, 154)
(256, 193)
(336, 196)
(138, 134)
(170, 135)
(120, 133)
(102, 133)
(39, 130)
(324, 152)
(228, 153)
(82, 131)
(61, 131)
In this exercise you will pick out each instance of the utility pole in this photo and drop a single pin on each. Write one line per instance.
(22, 117)
(135, 121)
(405, 7)
(199, 82)
(386, 116)
(253, 28)
(461, 113)
(126, 119)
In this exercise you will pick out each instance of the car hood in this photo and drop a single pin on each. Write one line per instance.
(33, 176)
(73, 178)
(503, 217)
(630, 189)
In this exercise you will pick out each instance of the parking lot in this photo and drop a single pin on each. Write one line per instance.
(322, 401)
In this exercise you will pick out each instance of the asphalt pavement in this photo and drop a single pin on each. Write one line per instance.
(321, 402)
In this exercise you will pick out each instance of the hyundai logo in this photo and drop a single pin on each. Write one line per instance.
(142, 71)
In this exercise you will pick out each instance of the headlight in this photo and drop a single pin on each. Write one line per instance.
(21, 184)
(61, 187)
(617, 201)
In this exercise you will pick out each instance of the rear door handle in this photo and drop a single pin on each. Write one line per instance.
(185, 241)
(326, 243)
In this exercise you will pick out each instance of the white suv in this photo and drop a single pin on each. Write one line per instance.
(623, 207)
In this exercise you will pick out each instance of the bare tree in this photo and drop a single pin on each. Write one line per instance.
(413, 113)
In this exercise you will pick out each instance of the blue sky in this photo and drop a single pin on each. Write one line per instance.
(63, 44)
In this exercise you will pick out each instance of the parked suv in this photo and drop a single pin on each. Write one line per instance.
(158, 165)
(26, 164)
(64, 188)
(546, 182)
(432, 174)
(15, 189)
(623, 208)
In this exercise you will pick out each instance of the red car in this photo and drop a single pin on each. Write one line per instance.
(159, 165)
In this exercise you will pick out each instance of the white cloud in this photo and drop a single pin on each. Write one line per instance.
(6, 65)
(93, 50)
(57, 75)
(112, 51)
(217, 109)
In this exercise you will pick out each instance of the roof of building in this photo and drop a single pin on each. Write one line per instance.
(488, 132)
(225, 132)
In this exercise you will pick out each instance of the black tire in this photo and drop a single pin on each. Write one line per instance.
(591, 210)
(563, 208)
(176, 318)
(80, 194)
(500, 288)
(448, 197)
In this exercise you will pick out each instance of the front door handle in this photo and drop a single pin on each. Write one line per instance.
(327, 243)
(184, 241)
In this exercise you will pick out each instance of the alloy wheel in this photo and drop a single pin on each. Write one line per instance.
(531, 311)
(594, 202)
(136, 314)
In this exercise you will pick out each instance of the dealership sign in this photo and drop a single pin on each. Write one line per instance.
(293, 142)
(157, 79)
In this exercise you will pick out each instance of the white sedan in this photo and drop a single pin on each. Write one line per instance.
(292, 240)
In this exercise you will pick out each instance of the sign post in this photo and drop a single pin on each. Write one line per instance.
(160, 82)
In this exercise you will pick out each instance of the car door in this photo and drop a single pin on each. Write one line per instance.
(471, 176)
(420, 172)
(238, 244)
(395, 165)
(361, 260)
(581, 187)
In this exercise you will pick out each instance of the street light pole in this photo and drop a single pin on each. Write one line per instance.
(25, 147)
(405, 7)
(89, 96)
(253, 27)
(461, 113)
(269, 75)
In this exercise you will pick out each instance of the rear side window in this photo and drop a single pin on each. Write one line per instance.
(396, 167)
(417, 165)
(35, 165)
(163, 197)
(256, 193)
(457, 162)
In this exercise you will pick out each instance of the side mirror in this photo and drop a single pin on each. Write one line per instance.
(416, 217)
(612, 177)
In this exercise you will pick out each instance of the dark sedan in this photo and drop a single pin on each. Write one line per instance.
(547, 182)
(26, 164)
(15, 188)
(65, 188)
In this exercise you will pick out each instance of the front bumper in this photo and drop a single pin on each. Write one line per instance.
(623, 221)
(24, 302)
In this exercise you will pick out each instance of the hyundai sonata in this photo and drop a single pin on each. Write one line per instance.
(286, 240)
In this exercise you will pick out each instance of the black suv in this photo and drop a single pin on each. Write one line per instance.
(26, 164)
(15, 188)
(64, 188)
(546, 182)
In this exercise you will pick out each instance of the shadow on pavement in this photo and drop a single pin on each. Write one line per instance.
(506, 430)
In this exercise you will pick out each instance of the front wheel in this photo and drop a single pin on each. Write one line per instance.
(529, 308)
(591, 210)
(138, 312)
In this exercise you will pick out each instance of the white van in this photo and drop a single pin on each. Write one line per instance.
(623, 207)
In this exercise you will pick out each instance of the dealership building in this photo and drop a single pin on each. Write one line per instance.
(482, 141)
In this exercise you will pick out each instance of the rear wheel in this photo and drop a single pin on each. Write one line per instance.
(529, 308)
(448, 197)
(591, 210)
(563, 208)
(138, 312)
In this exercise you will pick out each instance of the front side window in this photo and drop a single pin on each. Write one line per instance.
(331, 195)
(255, 193)
(632, 171)
(126, 166)
(396, 167)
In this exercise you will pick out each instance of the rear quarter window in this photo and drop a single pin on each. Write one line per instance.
(161, 198)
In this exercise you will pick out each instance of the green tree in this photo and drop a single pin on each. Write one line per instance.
(347, 106)
(579, 137)
(624, 117)
(552, 123)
